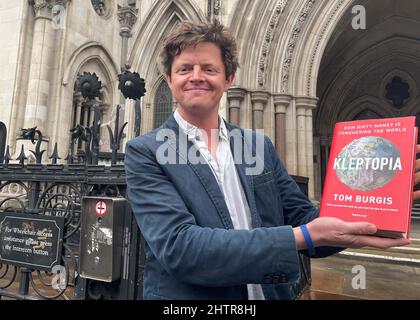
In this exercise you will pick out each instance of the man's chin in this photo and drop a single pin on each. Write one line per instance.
(198, 109)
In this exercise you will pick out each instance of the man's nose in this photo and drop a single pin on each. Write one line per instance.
(197, 74)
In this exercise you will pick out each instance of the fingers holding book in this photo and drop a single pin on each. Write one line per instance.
(416, 195)
(327, 231)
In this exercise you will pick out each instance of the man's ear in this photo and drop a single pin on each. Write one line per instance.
(229, 81)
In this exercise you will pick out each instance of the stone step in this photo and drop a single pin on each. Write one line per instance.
(407, 255)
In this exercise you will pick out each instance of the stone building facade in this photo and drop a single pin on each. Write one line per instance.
(304, 65)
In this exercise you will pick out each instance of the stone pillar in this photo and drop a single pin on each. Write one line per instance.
(235, 97)
(291, 141)
(281, 102)
(85, 112)
(91, 115)
(304, 107)
(40, 67)
(127, 16)
(301, 139)
(259, 100)
(78, 99)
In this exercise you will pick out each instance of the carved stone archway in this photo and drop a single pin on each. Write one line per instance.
(374, 69)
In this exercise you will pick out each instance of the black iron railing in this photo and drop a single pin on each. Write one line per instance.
(56, 190)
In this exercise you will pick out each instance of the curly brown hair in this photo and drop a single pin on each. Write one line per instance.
(189, 34)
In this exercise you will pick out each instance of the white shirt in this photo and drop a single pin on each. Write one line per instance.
(224, 170)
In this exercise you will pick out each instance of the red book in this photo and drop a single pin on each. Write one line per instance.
(370, 174)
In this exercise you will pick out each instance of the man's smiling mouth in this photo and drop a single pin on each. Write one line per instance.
(197, 89)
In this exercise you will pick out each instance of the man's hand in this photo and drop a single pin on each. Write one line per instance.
(417, 175)
(337, 233)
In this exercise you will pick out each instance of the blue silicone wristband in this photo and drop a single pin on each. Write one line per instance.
(307, 236)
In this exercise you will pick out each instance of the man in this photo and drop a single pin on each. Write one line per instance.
(213, 228)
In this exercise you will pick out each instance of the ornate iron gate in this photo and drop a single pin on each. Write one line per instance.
(40, 209)
(56, 190)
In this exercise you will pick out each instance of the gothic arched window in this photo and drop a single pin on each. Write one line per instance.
(366, 114)
(163, 104)
(83, 114)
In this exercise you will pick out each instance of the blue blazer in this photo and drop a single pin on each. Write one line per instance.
(192, 250)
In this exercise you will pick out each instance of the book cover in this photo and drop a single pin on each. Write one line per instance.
(370, 174)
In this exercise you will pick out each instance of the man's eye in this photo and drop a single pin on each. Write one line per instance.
(183, 70)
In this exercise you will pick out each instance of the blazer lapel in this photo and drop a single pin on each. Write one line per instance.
(202, 170)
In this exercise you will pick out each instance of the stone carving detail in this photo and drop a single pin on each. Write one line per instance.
(216, 7)
(292, 44)
(320, 37)
(213, 8)
(127, 16)
(100, 7)
(265, 50)
(41, 7)
(40, 4)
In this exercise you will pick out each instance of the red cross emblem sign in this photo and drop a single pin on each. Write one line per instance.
(100, 208)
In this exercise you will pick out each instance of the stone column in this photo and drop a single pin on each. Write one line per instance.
(281, 102)
(41, 63)
(85, 112)
(259, 100)
(78, 99)
(91, 115)
(304, 107)
(235, 97)
(127, 16)
(301, 139)
(40, 69)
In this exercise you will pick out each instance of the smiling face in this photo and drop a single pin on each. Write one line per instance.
(198, 80)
